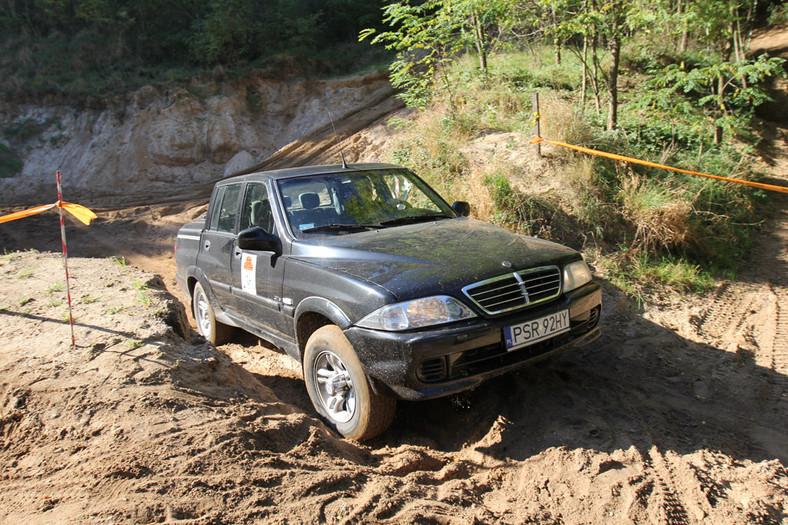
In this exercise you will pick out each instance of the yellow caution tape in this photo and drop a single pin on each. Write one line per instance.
(82, 214)
(613, 156)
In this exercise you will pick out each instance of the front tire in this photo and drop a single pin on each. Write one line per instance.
(212, 330)
(339, 389)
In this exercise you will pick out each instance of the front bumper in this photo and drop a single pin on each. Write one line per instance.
(440, 361)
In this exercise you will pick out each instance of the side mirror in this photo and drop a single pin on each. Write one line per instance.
(255, 238)
(462, 208)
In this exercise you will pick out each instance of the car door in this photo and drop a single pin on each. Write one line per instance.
(217, 241)
(258, 275)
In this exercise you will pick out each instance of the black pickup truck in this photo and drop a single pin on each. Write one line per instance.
(367, 277)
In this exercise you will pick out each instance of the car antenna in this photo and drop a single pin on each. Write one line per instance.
(341, 154)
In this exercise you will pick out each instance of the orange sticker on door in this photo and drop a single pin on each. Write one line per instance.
(248, 273)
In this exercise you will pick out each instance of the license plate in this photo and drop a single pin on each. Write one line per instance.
(531, 332)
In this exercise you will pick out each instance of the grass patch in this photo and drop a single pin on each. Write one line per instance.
(679, 230)
(516, 210)
(10, 163)
(141, 288)
(638, 274)
(28, 128)
(57, 287)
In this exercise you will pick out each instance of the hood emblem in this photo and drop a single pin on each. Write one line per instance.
(523, 287)
(506, 264)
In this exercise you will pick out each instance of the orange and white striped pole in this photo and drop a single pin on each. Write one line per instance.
(65, 255)
(81, 213)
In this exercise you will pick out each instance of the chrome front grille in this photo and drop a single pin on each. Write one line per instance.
(515, 290)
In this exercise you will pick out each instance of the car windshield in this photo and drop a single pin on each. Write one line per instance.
(350, 202)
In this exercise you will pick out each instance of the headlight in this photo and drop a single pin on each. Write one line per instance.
(417, 314)
(576, 274)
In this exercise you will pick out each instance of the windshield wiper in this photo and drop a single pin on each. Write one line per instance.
(342, 228)
(412, 219)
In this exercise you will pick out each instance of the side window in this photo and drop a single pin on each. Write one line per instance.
(225, 208)
(256, 210)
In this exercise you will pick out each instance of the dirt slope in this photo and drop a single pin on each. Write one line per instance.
(138, 425)
(164, 145)
(677, 415)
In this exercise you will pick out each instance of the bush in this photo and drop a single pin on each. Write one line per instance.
(10, 164)
(649, 227)
(517, 211)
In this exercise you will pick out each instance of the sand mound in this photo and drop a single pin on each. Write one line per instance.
(142, 422)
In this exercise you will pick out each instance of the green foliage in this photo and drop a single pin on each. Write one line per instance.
(728, 92)
(223, 35)
(97, 48)
(677, 229)
(27, 128)
(135, 343)
(57, 287)
(141, 289)
(778, 14)
(10, 164)
(638, 273)
(427, 36)
(517, 211)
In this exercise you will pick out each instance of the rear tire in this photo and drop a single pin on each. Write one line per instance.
(212, 330)
(339, 389)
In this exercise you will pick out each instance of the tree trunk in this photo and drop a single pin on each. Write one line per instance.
(584, 85)
(481, 43)
(721, 102)
(595, 75)
(717, 135)
(612, 85)
(684, 33)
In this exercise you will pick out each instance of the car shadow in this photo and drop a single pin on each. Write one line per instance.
(290, 390)
(640, 384)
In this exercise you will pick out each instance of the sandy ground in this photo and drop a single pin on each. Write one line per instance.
(677, 415)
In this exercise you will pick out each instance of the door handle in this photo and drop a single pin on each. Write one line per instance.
(237, 253)
(207, 244)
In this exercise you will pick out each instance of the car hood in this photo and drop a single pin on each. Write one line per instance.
(431, 258)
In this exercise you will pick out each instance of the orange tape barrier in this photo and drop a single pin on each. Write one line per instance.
(613, 156)
(82, 214)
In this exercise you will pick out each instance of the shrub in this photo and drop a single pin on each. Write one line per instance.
(10, 164)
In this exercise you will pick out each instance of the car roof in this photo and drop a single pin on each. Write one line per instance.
(286, 173)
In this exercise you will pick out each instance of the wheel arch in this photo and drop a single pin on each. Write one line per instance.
(194, 276)
(313, 313)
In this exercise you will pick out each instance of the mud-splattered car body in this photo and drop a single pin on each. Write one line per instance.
(430, 301)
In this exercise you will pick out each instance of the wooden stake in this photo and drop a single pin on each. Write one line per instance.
(537, 118)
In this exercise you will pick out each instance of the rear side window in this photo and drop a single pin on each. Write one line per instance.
(225, 208)
(256, 210)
